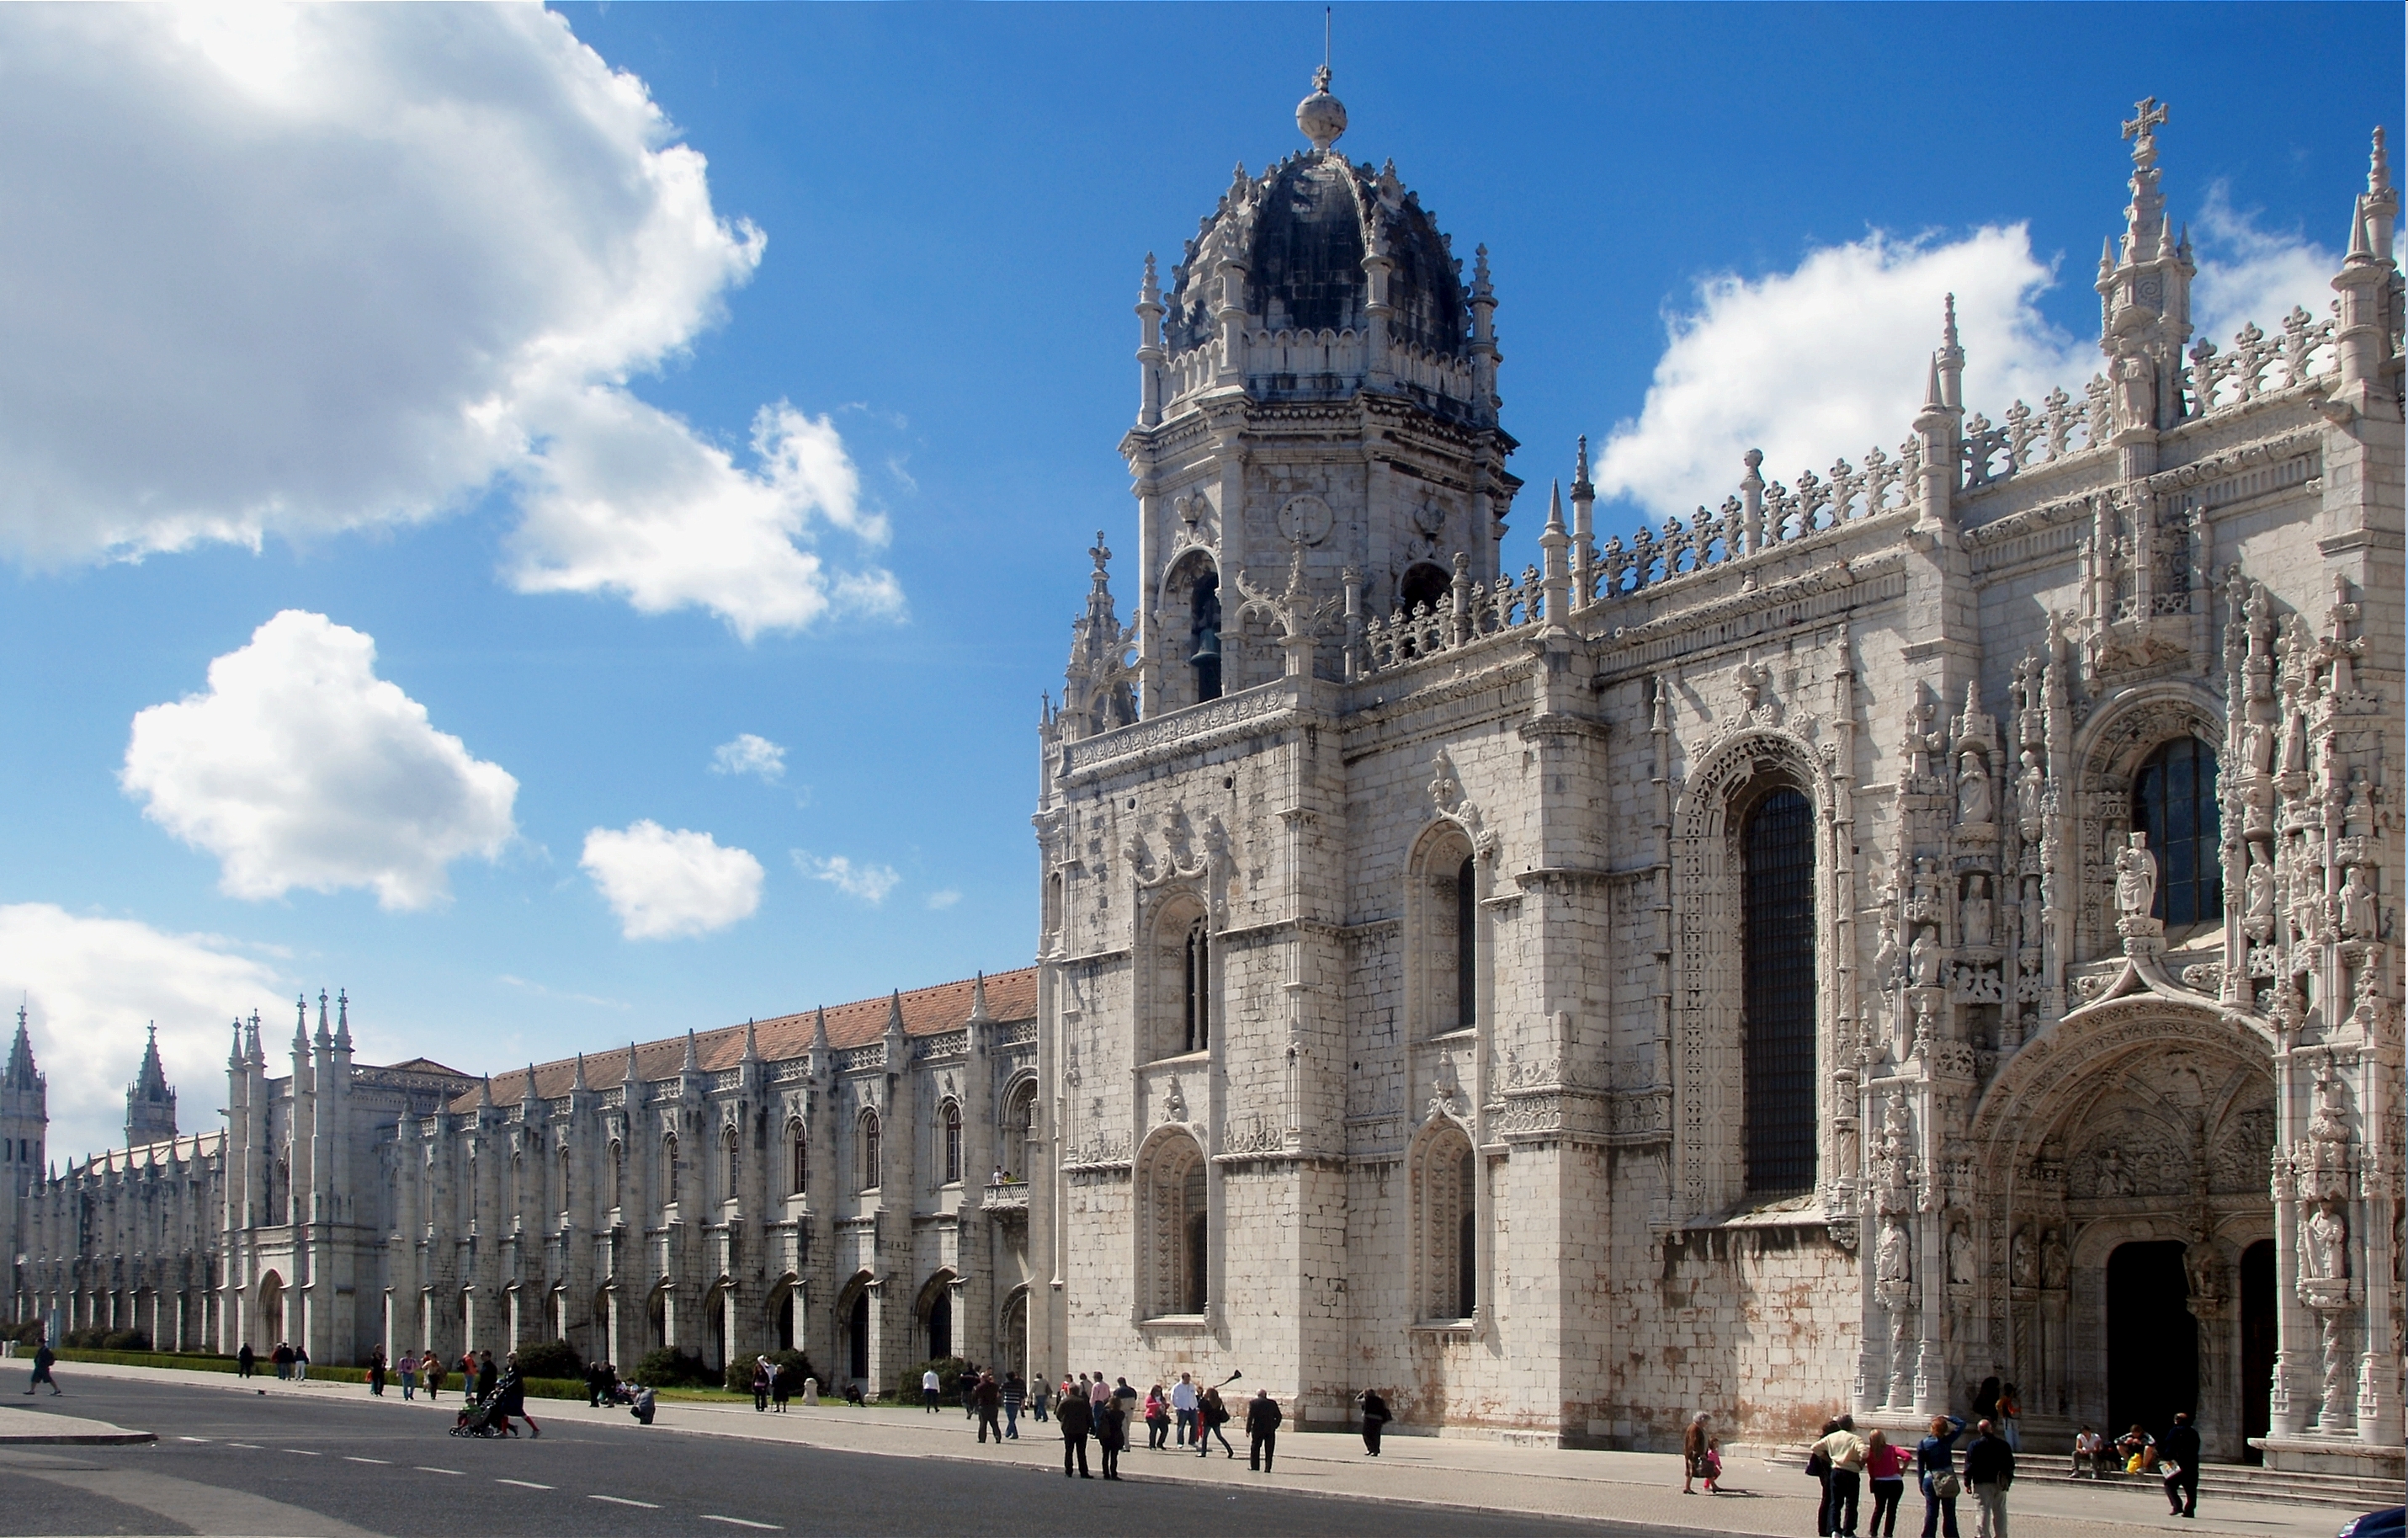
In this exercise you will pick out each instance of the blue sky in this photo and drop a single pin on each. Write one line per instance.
(420, 329)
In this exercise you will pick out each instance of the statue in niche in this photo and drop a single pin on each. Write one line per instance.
(2136, 877)
(2358, 816)
(1174, 1101)
(2023, 1264)
(2056, 1266)
(2324, 1244)
(1976, 914)
(1960, 1253)
(2357, 916)
(2258, 913)
(2257, 747)
(2329, 1121)
(1975, 800)
(2135, 400)
(1893, 1267)
(2113, 1178)
(1923, 959)
(1885, 953)
(1922, 907)
(2031, 913)
(2031, 788)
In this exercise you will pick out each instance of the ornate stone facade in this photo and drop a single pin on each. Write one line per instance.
(1478, 864)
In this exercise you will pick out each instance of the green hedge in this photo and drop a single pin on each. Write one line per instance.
(202, 1361)
(191, 1361)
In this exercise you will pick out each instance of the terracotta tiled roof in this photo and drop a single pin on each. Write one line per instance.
(1011, 997)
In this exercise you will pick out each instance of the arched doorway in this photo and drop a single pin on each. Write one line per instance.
(856, 1337)
(1015, 1333)
(271, 1309)
(2258, 1344)
(940, 1325)
(2152, 1337)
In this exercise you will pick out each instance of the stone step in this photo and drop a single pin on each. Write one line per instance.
(2232, 1481)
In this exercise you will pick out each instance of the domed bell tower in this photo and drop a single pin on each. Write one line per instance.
(1317, 381)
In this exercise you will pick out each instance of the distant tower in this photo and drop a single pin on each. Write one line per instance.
(150, 1104)
(24, 1122)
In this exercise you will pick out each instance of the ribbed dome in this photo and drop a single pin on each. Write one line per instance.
(1302, 230)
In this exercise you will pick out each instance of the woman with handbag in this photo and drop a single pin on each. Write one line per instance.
(1935, 1458)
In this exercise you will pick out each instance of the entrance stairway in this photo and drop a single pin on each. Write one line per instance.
(2217, 1481)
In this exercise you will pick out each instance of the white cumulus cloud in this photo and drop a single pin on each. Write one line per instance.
(668, 884)
(1831, 359)
(868, 883)
(285, 270)
(92, 986)
(750, 755)
(299, 767)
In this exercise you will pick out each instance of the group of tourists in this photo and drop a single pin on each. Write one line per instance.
(292, 1362)
(773, 1384)
(2173, 1458)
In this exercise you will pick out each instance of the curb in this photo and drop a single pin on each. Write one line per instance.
(79, 1439)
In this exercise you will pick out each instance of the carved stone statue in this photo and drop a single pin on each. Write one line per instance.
(2135, 400)
(2056, 1266)
(2113, 1178)
(2136, 877)
(1960, 1253)
(1893, 1267)
(2324, 1244)
(2357, 815)
(1976, 917)
(2329, 1121)
(1975, 801)
(1174, 1101)
(2358, 915)
(2023, 1261)
(2260, 914)
(1923, 905)
(2031, 789)
(1885, 953)
(1923, 958)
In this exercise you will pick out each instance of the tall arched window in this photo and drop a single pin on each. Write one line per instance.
(735, 1163)
(950, 1118)
(1204, 653)
(1196, 993)
(802, 1154)
(1467, 948)
(565, 1167)
(1177, 1228)
(2173, 802)
(1020, 1130)
(670, 1169)
(1191, 1275)
(618, 1174)
(868, 1142)
(1777, 951)
(1466, 1237)
(1448, 1225)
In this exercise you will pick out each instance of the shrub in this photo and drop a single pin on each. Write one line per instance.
(549, 1359)
(672, 1369)
(125, 1339)
(28, 1334)
(949, 1378)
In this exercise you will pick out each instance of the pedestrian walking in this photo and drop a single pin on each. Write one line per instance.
(407, 1366)
(1211, 1416)
(1375, 1420)
(1990, 1468)
(44, 1358)
(1985, 1401)
(2011, 1417)
(1098, 1391)
(1697, 1455)
(1040, 1394)
(781, 1386)
(988, 1397)
(1935, 1463)
(1886, 1473)
(760, 1385)
(1182, 1407)
(1013, 1393)
(282, 1357)
(1844, 1454)
(1818, 1469)
(1262, 1419)
(246, 1362)
(932, 1391)
(2178, 1462)
(1076, 1418)
(1157, 1419)
(2089, 1452)
(376, 1371)
(1111, 1432)
(432, 1365)
(301, 1364)
(489, 1375)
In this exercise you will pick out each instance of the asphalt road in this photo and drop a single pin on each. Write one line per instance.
(284, 1465)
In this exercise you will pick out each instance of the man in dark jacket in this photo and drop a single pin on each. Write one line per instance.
(43, 1358)
(1076, 1418)
(988, 1397)
(2178, 1460)
(1989, 1469)
(1262, 1430)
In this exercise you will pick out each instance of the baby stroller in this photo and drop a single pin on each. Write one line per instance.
(477, 1418)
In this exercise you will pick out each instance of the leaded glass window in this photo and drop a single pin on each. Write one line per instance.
(2173, 802)
(1777, 951)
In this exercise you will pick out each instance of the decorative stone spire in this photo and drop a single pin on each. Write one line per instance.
(1097, 686)
(1554, 541)
(22, 1073)
(978, 998)
(1149, 350)
(301, 1024)
(2144, 301)
(819, 1031)
(577, 1084)
(325, 1032)
(894, 1028)
(633, 1077)
(751, 1045)
(485, 1093)
(2366, 280)
(234, 1058)
(1321, 116)
(1951, 358)
(342, 1021)
(692, 1063)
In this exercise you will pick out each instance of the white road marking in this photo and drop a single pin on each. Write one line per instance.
(192, 1439)
(252, 1445)
(523, 1484)
(622, 1500)
(423, 1469)
(300, 1452)
(740, 1522)
(349, 1459)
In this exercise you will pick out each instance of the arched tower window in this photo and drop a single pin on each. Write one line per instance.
(618, 1174)
(795, 1138)
(950, 1119)
(1197, 995)
(735, 1163)
(1777, 952)
(868, 1142)
(670, 1169)
(563, 1181)
(2173, 802)
(1467, 948)
(1204, 651)
(1020, 1132)
(1425, 586)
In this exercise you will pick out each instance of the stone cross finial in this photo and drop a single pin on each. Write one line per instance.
(2148, 116)
(1102, 553)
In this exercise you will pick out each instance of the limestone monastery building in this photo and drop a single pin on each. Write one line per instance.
(1930, 918)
